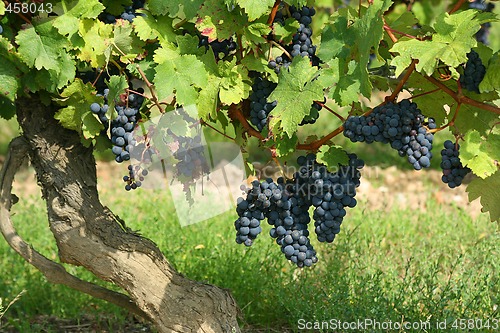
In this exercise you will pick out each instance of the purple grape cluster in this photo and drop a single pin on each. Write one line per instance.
(453, 170)
(259, 106)
(286, 205)
(122, 125)
(190, 155)
(474, 72)
(402, 125)
(135, 177)
(330, 192)
(301, 41)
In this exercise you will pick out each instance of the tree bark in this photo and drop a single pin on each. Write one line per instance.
(90, 235)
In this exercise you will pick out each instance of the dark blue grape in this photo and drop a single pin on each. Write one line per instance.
(453, 170)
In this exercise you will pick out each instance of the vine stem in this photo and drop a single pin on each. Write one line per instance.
(425, 93)
(330, 109)
(392, 31)
(402, 82)
(217, 130)
(461, 98)
(318, 143)
(235, 113)
(450, 123)
(457, 6)
(273, 12)
(281, 48)
(150, 87)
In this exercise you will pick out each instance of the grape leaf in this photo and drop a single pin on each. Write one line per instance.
(126, 41)
(295, 93)
(116, 85)
(115, 7)
(9, 79)
(234, 85)
(491, 80)
(453, 39)
(2, 8)
(479, 154)
(149, 27)
(208, 99)
(215, 21)
(41, 46)
(487, 189)
(346, 40)
(297, 3)
(254, 34)
(471, 117)
(255, 8)
(285, 145)
(94, 35)
(284, 33)
(179, 73)
(332, 156)
(76, 114)
(172, 7)
(432, 105)
(72, 12)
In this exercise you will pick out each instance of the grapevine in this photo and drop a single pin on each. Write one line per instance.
(256, 75)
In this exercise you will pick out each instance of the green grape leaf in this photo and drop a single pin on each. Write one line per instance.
(347, 88)
(9, 80)
(216, 21)
(116, 85)
(41, 46)
(189, 45)
(432, 105)
(332, 157)
(491, 80)
(346, 40)
(454, 38)
(149, 27)
(75, 114)
(94, 41)
(285, 145)
(480, 155)
(254, 34)
(2, 8)
(181, 74)
(126, 41)
(295, 94)
(473, 118)
(115, 7)
(68, 22)
(255, 8)
(284, 33)
(233, 87)
(487, 190)
(208, 99)
(172, 7)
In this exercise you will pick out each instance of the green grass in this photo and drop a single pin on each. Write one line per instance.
(413, 265)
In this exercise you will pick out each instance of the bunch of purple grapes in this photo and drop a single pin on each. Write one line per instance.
(402, 125)
(474, 72)
(453, 170)
(286, 205)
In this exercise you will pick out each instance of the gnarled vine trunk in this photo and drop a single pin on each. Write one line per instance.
(88, 234)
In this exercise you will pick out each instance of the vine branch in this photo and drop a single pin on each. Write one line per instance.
(273, 12)
(461, 98)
